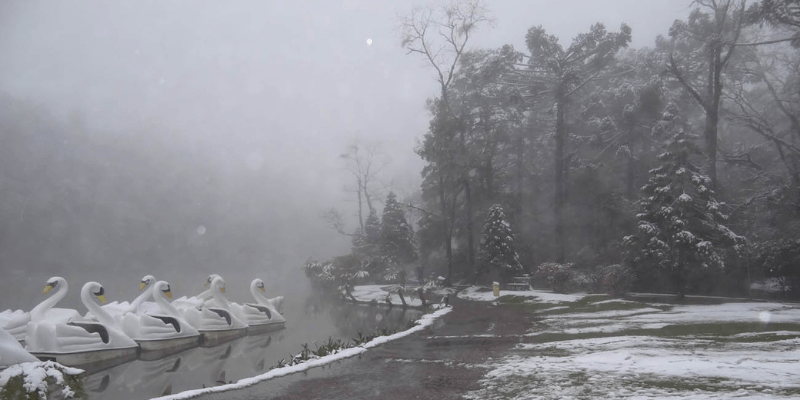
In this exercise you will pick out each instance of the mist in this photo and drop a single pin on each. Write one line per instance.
(185, 138)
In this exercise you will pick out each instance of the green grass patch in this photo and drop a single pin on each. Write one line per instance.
(683, 385)
(578, 378)
(590, 308)
(590, 299)
(513, 299)
(713, 385)
(723, 331)
(719, 332)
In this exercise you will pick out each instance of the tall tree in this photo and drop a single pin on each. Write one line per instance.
(702, 47)
(558, 74)
(440, 35)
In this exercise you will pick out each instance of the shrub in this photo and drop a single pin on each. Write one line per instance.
(40, 380)
(615, 279)
(557, 276)
(780, 259)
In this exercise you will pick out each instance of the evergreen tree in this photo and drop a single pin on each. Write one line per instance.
(372, 228)
(397, 237)
(680, 229)
(497, 255)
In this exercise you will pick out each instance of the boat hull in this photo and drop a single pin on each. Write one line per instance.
(264, 328)
(91, 361)
(155, 349)
(213, 338)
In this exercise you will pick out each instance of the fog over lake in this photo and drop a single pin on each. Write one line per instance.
(185, 138)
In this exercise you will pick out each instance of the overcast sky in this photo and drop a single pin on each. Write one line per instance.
(275, 86)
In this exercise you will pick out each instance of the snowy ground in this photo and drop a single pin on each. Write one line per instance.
(594, 347)
(380, 292)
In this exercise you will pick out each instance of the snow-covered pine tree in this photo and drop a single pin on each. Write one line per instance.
(680, 228)
(367, 244)
(497, 254)
(397, 237)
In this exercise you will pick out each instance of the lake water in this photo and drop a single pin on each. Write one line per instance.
(313, 320)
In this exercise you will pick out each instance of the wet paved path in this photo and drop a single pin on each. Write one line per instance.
(436, 363)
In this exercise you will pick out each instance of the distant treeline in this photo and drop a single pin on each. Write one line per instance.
(676, 166)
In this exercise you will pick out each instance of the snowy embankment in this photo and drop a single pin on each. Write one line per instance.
(379, 293)
(481, 294)
(620, 349)
(425, 321)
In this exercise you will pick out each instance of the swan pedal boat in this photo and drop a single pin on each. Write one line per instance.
(160, 333)
(266, 307)
(84, 344)
(216, 325)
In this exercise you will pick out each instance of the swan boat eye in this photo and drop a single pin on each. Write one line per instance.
(166, 290)
(100, 292)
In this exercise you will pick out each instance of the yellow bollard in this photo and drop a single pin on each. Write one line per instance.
(496, 288)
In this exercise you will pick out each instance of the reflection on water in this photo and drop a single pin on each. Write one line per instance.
(313, 321)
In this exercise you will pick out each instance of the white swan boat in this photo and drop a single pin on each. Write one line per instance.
(257, 290)
(164, 332)
(11, 352)
(84, 343)
(216, 325)
(16, 322)
(261, 316)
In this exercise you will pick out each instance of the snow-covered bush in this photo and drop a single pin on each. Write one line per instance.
(585, 281)
(615, 279)
(780, 259)
(557, 276)
(40, 380)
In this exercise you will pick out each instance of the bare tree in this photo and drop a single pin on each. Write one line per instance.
(364, 163)
(440, 35)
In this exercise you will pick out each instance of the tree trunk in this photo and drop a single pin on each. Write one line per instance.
(470, 226)
(402, 298)
(422, 297)
(559, 179)
(446, 231)
(349, 293)
(360, 210)
(712, 113)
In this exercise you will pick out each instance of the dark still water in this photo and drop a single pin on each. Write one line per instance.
(309, 321)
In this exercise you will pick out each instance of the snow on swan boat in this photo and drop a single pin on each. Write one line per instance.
(16, 322)
(11, 352)
(82, 343)
(198, 301)
(216, 325)
(165, 331)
